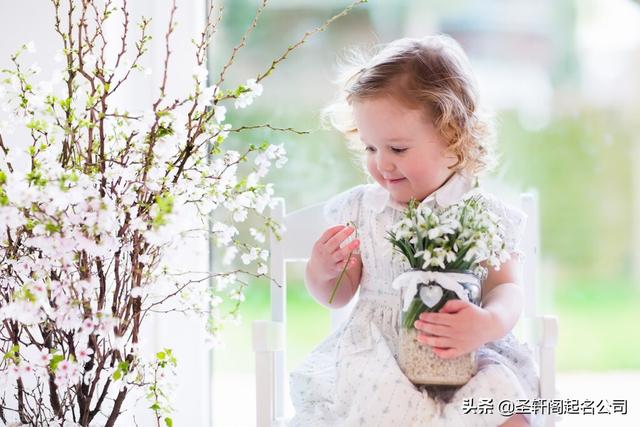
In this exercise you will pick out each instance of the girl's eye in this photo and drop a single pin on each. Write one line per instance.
(398, 150)
(370, 149)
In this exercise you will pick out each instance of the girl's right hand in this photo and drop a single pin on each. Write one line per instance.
(328, 258)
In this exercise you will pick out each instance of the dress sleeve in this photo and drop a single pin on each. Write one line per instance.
(513, 221)
(343, 207)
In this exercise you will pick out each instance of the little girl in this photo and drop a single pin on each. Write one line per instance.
(412, 109)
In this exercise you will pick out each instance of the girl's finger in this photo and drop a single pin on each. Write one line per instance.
(433, 329)
(330, 232)
(446, 353)
(436, 318)
(333, 244)
(343, 253)
(433, 341)
(342, 262)
(350, 248)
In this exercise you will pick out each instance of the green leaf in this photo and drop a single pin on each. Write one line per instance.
(168, 421)
(55, 359)
(52, 228)
(12, 352)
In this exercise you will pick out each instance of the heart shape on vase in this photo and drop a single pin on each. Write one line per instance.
(431, 294)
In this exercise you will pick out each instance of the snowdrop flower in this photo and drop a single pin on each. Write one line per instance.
(468, 224)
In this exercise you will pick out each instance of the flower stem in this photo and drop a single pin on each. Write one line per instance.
(342, 273)
(344, 270)
(416, 307)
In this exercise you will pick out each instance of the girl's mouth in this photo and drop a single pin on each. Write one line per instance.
(395, 181)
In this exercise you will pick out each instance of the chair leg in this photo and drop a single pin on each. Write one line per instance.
(548, 341)
(268, 342)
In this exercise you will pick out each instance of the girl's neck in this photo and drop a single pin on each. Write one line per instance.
(406, 204)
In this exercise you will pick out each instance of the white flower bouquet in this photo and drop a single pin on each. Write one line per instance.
(444, 250)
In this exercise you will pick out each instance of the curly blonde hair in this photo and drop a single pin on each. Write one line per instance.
(430, 73)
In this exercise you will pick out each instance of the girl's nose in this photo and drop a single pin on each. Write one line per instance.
(384, 164)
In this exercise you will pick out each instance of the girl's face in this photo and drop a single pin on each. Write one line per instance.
(405, 153)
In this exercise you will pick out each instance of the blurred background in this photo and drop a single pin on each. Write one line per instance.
(562, 77)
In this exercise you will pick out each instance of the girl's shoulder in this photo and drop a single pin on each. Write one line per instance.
(512, 218)
(345, 206)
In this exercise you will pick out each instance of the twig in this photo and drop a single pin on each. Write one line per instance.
(240, 129)
(242, 42)
(306, 35)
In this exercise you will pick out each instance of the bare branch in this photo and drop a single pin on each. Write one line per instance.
(242, 128)
(306, 35)
(242, 42)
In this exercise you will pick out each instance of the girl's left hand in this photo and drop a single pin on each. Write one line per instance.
(458, 328)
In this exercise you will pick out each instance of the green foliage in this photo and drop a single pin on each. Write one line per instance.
(35, 178)
(155, 392)
(164, 206)
(4, 199)
(121, 370)
(596, 319)
(582, 170)
(56, 358)
(166, 357)
(12, 354)
(24, 294)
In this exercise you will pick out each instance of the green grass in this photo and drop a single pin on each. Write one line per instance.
(598, 325)
(598, 322)
(307, 324)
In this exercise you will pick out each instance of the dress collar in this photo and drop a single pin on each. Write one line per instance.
(460, 183)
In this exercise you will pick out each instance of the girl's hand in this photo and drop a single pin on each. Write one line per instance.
(328, 258)
(457, 329)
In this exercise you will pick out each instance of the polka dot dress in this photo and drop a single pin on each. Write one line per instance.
(352, 377)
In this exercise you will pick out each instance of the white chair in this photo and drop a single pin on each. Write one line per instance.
(303, 227)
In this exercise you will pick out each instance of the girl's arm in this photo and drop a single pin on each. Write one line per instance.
(502, 297)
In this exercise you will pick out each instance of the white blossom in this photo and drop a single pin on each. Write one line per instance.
(246, 98)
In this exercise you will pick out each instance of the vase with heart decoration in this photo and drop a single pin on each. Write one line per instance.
(428, 291)
(447, 251)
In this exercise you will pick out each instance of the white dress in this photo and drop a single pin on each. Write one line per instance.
(352, 377)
